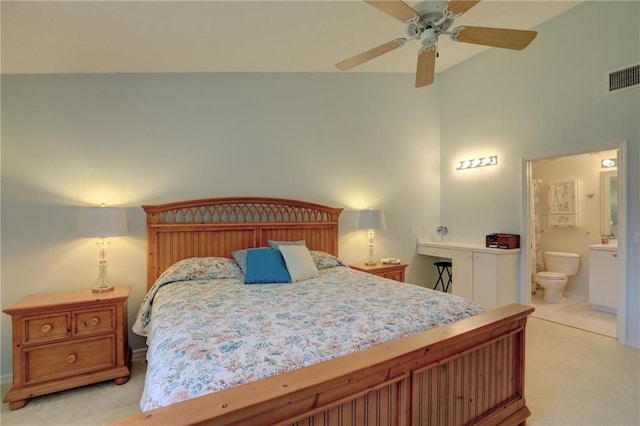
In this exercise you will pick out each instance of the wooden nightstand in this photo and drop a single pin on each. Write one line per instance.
(68, 339)
(394, 272)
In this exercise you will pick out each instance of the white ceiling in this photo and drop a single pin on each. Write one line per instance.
(229, 36)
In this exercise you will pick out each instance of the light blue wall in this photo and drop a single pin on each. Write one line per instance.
(351, 141)
(348, 140)
(547, 99)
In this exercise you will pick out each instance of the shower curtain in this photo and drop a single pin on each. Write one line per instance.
(535, 230)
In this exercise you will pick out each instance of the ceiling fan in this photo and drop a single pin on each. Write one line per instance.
(429, 19)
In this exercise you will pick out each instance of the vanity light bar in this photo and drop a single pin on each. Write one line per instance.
(477, 162)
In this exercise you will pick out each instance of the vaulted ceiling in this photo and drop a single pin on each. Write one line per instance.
(229, 36)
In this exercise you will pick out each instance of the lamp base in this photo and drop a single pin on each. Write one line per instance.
(372, 263)
(101, 289)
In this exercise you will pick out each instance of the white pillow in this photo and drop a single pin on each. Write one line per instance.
(299, 262)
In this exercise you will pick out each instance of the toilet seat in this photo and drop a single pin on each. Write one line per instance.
(548, 275)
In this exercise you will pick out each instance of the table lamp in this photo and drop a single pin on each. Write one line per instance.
(371, 220)
(102, 223)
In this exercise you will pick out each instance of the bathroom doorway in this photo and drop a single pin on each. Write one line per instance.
(580, 231)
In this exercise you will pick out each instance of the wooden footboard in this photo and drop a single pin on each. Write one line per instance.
(468, 372)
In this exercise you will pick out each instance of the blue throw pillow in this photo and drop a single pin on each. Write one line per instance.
(266, 266)
(240, 256)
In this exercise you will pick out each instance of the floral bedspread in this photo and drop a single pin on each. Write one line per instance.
(205, 335)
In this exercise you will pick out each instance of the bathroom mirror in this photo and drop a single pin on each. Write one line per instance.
(609, 203)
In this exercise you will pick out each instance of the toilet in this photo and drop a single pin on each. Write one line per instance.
(559, 266)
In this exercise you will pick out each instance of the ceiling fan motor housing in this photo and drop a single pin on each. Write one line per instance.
(429, 19)
(424, 27)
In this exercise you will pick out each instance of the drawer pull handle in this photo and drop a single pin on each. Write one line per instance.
(71, 358)
(46, 328)
(94, 321)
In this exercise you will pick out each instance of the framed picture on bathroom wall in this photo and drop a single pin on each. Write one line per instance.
(563, 220)
(563, 204)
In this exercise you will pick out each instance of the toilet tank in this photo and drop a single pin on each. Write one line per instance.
(559, 261)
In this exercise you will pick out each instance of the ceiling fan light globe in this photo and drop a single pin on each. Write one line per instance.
(429, 37)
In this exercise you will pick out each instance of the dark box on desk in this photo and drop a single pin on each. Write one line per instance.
(503, 241)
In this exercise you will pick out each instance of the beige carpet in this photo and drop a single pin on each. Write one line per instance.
(85, 406)
(573, 377)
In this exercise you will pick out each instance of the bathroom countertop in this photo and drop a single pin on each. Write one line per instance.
(609, 247)
(469, 246)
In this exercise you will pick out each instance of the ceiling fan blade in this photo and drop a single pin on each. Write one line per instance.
(496, 37)
(461, 6)
(370, 54)
(396, 8)
(426, 67)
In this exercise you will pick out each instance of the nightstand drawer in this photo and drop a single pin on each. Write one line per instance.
(94, 321)
(65, 359)
(46, 328)
(393, 275)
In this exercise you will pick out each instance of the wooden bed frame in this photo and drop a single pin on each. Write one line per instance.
(218, 226)
(468, 372)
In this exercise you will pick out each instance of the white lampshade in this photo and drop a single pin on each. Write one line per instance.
(371, 219)
(102, 222)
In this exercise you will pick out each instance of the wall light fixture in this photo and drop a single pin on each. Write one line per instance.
(477, 162)
(608, 162)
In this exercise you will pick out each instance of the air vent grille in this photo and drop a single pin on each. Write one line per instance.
(624, 78)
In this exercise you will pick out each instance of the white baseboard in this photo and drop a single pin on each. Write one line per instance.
(632, 343)
(6, 379)
(139, 353)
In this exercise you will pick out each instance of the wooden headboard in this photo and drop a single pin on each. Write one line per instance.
(218, 226)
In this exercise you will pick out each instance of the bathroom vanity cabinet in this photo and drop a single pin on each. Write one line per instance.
(603, 277)
(485, 275)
